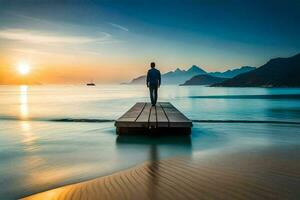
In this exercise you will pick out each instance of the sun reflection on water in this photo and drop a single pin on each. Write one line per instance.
(28, 136)
(26, 129)
(24, 111)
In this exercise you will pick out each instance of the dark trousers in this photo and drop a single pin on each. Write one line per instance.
(153, 94)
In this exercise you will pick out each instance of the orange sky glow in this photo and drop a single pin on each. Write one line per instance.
(115, 42)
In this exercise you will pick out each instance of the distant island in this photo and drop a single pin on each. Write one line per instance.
(179, 76)
(204, 79)
(278, 72)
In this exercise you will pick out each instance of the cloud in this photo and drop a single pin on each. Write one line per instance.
(119, 27)
(29, 36)
(32, 51)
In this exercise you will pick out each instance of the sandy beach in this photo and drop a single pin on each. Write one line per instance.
(257, 174)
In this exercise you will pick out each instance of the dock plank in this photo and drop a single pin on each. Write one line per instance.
(128, 119)
(133, 112)
(152, 117)
(143, 119)
(176, 118)
(162, 120)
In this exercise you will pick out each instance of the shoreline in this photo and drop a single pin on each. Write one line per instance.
(256, 174)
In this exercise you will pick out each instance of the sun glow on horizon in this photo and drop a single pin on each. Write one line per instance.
(23, 68)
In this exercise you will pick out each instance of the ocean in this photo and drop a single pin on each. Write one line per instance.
(53, 135)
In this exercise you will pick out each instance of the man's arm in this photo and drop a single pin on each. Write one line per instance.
(159, 78)
(147, 79)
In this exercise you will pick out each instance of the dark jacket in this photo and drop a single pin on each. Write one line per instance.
(153, 78)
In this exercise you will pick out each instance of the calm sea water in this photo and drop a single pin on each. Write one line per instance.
(55, 135)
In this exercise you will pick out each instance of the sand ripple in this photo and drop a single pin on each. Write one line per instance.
(251, 175)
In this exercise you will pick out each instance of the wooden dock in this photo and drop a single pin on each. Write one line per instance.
(163, 118)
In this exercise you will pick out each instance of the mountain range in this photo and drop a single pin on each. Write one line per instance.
(232, 73)
(179, 76)
(204, 79)
(278, 72)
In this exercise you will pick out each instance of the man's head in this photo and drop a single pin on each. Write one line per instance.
(152, 65)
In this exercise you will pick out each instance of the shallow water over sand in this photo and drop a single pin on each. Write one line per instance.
(55, 135)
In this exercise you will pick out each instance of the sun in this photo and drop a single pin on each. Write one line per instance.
(23, 68)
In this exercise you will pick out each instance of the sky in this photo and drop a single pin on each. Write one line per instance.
(112, 41)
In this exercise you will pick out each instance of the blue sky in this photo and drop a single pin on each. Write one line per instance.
(216, 35)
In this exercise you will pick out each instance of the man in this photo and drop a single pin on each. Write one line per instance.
(153, 82)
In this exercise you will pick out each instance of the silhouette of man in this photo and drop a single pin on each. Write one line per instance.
(153, 82)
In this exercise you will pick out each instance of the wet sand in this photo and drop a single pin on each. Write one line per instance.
(272, 173)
